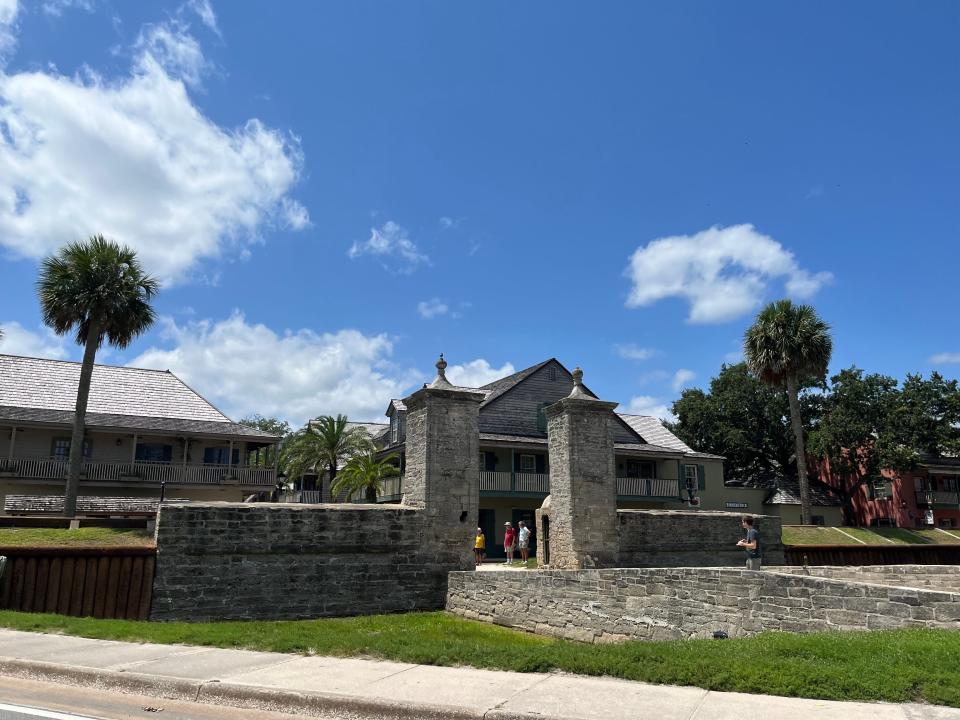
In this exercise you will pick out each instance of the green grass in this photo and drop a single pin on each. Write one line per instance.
(815, 535)
(951, 537)
(82, 537)
(819, 535)
(894, 666)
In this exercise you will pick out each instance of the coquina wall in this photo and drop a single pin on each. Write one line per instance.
(934, 577)
(690, 538)
(235, 561)
(618, 604)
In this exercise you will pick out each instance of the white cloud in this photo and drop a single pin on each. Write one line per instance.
(204, 11)
(133, 158)
(629, 351)
(391, 241)
(432, 308)
(477, 373)
(9, 9)
(722, 272)
(647, 405)
(17, 340)
(946, 358)
(245, 368)
(56, 8)
(682, 377)
(447, 223)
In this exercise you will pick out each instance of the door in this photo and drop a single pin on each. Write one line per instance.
(488, 523)
(528, 517)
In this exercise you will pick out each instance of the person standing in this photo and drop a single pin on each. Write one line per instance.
(523, 540)
(479, 546)
(509, 541)
(751, 543)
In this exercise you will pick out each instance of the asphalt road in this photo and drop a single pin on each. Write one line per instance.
(85, 704)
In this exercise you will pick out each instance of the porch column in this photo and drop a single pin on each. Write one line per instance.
(133, 452)
(230, 458)
(513, 469)
(13, 441)
(186, 444)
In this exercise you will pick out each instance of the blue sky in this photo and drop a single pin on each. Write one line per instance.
(333, 193)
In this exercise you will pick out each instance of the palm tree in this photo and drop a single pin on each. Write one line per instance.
(364, 473)
(786, 345)
(98, 290)
(323, 444)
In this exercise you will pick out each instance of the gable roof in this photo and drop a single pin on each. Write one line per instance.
(45, 391)
(654, 432)
(499, 387)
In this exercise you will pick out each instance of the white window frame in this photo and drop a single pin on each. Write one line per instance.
(694, 480)
(533, 462)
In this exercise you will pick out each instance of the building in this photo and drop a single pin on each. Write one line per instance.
(144, 429)
(654, 468)
(780, 496)
(926, 496)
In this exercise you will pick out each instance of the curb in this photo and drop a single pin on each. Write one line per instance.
(251, 697)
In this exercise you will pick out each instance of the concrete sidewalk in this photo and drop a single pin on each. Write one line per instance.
(353, 688)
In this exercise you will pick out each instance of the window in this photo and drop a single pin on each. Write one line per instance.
(542, 417)
(692, 478)
(552, 373)
(881, 488)
(61, 449)
(528, 463)
(950, 484)
(394, 428)
(220, 456)
(154, 452)
(947, 522)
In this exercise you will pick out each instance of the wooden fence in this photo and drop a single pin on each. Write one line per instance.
(872, 554)
(114, 583)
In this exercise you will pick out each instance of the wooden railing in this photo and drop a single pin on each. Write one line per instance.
(491, 481)
(134, 472)
(114, 583)
(532, 482)
(648, 487)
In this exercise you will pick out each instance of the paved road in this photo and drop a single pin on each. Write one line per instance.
(351, 687)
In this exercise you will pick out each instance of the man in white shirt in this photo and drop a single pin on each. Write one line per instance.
(524, 541)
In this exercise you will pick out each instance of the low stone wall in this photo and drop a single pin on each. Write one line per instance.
(934, 577)
(235, 561)
(689, 538)
(614, 604)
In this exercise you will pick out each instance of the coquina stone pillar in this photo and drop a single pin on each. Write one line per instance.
(581, 510)
(442, 475)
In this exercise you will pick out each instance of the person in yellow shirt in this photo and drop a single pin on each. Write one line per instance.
(479, 546)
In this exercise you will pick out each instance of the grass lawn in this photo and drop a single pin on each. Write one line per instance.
(815, 535)
(948, 537)
(895, 666)
(82, 537)
(819, 535)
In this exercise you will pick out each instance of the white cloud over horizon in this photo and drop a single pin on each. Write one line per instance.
(132, 157)
(648, 405)
(630, 351)
(246, 368)
(722, 272)
(681, 378)
(44, 343)
(945, 358)
(429, 309)
(477, 373)
(392, 245)
(9, 10)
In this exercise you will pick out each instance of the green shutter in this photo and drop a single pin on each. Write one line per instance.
(541, 417)
(701, 477)
(681, 479)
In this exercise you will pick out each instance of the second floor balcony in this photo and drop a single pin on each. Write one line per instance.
(138, 472)
(938, 498)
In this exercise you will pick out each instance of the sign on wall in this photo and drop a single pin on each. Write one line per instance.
(736, 505)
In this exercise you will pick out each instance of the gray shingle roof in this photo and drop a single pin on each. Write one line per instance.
(499, 387)
(653, 431)
(36, 390)
(785, 491)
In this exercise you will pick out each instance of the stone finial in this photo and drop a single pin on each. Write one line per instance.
(578, 391)
(441, 380)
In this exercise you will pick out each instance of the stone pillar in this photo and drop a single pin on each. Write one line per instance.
(582, 505)
(442, 475)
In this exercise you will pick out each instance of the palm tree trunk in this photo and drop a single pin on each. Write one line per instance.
(371, 493)
(76, 440)
(797, 423)
(333, 476)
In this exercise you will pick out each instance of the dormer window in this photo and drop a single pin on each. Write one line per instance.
(395, 428)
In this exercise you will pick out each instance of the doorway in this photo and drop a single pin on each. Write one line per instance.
(528, 518)
(488, 523)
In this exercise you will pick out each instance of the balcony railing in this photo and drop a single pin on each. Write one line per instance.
(138, 472)
(942, 498)
(648, 487)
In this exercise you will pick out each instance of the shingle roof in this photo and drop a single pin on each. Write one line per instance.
(373, 429)
(499, 387)
(786, 491)
(45, 391)
(653, 431)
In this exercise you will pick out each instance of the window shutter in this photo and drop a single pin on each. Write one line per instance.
(541, 417)
(701, 477)
(682, 482)
(541, 465)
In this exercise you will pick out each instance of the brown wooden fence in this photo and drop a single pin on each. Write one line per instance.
(873, 554)
(85, 582)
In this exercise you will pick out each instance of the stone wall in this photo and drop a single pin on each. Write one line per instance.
(678, 538)
(236, 561)
(614, 604)
(934, 577)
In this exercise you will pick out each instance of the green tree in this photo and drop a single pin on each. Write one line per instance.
(322, 444)
(857, 434)
(743, 419)
(927, 419)
(787, 344)
(98, 290)
(273, 426)
(365, 473)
